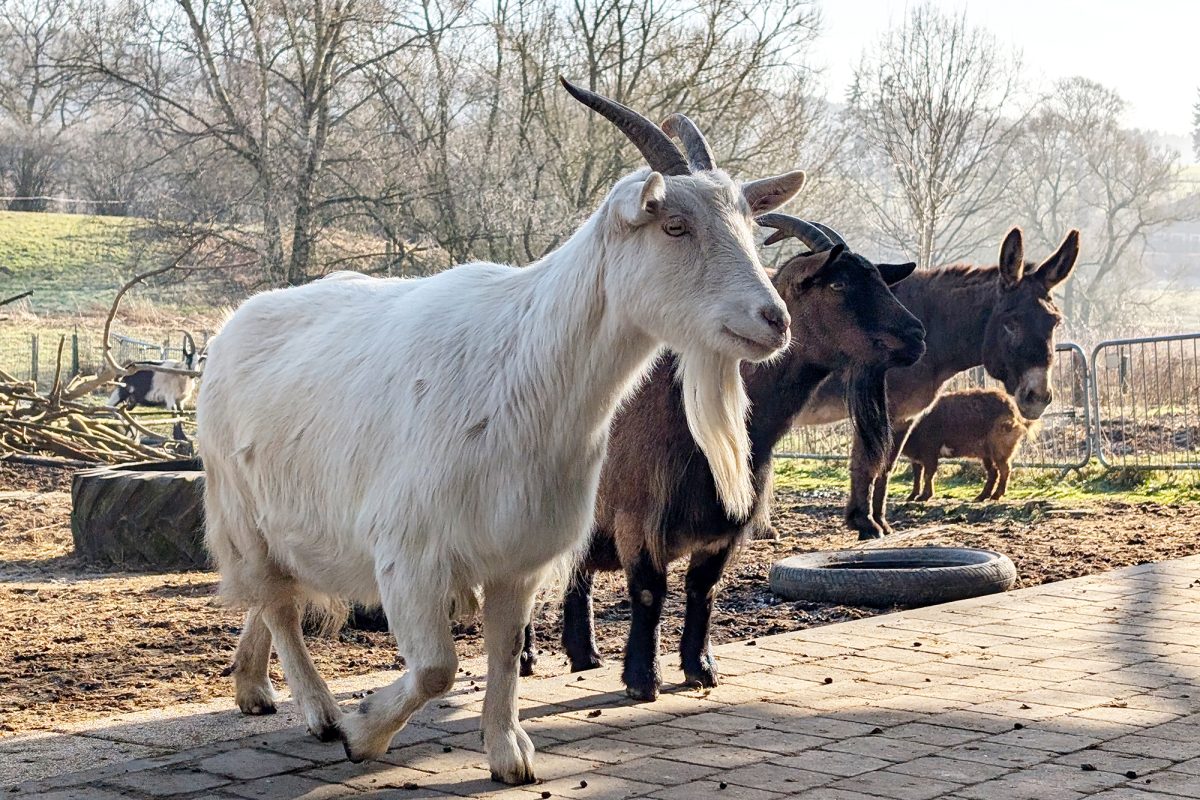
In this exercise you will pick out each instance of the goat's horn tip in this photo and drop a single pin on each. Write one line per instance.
(670, 125)
(777, 236)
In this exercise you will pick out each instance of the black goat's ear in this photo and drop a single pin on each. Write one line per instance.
(894, 273)
(805, 266)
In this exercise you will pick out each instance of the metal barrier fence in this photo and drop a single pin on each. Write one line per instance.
(1134, 404)
(1146, 396)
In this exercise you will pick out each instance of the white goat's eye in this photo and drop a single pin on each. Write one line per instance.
(675, 227)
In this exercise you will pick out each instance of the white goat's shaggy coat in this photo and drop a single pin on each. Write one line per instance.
(411, 441)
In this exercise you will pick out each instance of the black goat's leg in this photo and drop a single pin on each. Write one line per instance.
(703, 575)
(858, 507)
(760, 524)
(528, 653)
(647, 590)
(177, 432)
(579, 634)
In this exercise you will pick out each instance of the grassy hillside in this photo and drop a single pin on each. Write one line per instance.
(72, 262)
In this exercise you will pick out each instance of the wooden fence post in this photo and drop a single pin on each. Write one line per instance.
(75, 352)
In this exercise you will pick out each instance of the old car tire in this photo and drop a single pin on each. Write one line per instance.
(144, 515)
(899, 576)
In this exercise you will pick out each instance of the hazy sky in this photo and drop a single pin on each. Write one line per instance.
(1148, 50)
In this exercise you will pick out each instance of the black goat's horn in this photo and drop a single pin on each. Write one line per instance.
(699, 154)
(655, 146)
(786, 225)
(833, 235)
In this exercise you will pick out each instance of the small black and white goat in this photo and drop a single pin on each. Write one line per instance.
(149, 387)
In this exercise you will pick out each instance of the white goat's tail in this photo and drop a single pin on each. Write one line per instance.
(716, 406)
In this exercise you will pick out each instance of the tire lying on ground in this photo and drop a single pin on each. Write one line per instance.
(144, 515)
(900, 576)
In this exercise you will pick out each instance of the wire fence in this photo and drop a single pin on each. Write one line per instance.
(34, 356)
(1133, 404)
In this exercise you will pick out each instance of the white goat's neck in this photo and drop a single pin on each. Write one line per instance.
(591, 355)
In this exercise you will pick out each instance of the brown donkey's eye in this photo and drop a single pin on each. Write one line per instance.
(675, 228)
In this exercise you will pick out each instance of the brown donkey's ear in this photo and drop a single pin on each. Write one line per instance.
(1012, 259)
(1055, 269)
(894, 273)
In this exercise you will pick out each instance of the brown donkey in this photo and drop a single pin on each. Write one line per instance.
(975, 423)
(1000, 317)
(657, 501)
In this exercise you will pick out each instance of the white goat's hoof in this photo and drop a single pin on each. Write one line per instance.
(510, 757)
(256, 700)
(360, 740)
(326, 730)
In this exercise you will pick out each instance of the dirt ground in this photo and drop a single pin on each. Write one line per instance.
(77, 641)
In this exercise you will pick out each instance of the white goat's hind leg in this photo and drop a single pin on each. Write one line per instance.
(251, 681)
(320, 710)
(418, 615)
(506, 606)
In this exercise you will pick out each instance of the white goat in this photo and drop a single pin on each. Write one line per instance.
(408, 442)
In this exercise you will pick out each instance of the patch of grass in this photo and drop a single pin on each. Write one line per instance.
(963, 482)
(72, 262)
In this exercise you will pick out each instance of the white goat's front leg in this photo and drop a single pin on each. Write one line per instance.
(418, 614)
(316, 702)
(506, 607)
(251, 679)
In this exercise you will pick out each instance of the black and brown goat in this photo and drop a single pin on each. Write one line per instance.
(150, 387)
(657, 500)
(975, 423)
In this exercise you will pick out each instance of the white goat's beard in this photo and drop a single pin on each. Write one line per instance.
(716, 406)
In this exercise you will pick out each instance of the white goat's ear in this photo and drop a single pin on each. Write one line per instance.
(767, 194)
(645, 205)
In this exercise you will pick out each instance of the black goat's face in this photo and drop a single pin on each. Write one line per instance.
(189, 351)
(840, 298)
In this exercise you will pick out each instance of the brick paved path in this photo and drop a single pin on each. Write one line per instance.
(1086, 688)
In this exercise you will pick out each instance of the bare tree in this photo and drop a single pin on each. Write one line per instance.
(1077, 167)
(1196, 128)
(269, 86)
(932, 109)
(490, 159)
(39, 100)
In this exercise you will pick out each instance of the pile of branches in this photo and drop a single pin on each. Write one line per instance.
(65, 426)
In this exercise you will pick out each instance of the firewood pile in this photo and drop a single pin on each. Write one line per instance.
(65, 423)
